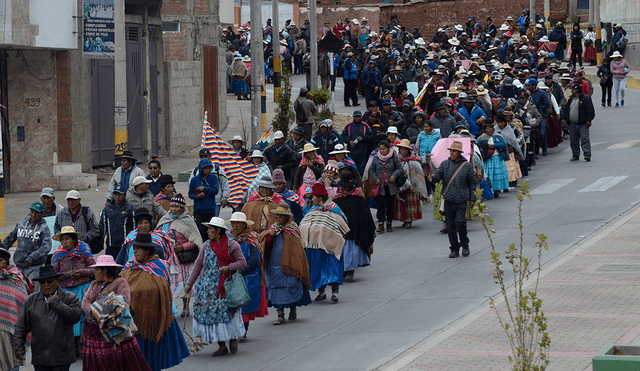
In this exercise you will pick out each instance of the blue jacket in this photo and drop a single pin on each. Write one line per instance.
(116, 222)
(207, 204)
(325, 144)
(350, 70)
(426, 143)
(371, 78)
(354, 130)
(541, 100)
(472, 117)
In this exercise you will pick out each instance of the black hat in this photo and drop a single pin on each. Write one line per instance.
(431, 87)
(439, 105)
(129, 155)
(45, 272)
(346, 179)
(299, 131)
(142, 213)
(204, 151)
(4, 252)
(144, 240)
(166, 179)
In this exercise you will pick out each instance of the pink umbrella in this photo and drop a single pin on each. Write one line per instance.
(440, 151)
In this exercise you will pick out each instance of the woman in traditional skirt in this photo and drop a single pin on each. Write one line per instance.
(183, 228)
(515, 154)
(362, 229)
(213, 320)
(309, 170)
(495, 149)
(285, 265)
(323, 232)
(73, 260)
(408, 205)
(254, 271)
(238, 72)
(590, 54)
(14, 290)
(144, 223)
(159, 335)
(98, 354)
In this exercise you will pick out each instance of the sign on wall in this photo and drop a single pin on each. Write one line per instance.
(98, 29)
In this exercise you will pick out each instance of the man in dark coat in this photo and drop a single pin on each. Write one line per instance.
(578, 113)
(281, 156)
(457, 191)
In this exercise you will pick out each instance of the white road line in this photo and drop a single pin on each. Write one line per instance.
(551, 186)
(603, 184)
(637, 187)
(624, 145)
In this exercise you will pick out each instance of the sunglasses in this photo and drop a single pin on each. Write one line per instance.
(48, 281)
(154, 168)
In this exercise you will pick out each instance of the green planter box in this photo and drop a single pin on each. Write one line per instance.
(617, 358)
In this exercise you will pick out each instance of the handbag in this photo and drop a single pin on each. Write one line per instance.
(441, 206)
(188, 256)
(237, 293)
(375, 192)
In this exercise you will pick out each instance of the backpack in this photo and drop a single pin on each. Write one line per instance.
(622, 42)
(96, 244)
(301, 115)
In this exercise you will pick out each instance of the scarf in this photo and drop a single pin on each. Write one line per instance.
(412, 167)
(252, 238)
(14, 289)
(183, 224)
(293, 260)
(162, 196)
(292, 197)
(151, 297)
(258, 209)
(510, 137)
(221, 249)
(318, 159)
(273, 198)
(78, 252)
(386, 157)
(329, 206)
(155, 266)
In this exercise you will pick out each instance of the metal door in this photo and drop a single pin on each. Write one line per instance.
(210, 83)
(135, 102)
(153, 98)
(102, 112)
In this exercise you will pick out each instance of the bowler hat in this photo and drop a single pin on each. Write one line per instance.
(439, 105)
(166, 179)
(45, 272)
(129, 155)
(4, 252)
(346, 179)
(143, 240)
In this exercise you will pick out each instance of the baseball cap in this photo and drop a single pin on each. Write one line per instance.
(357, 113)
(204, 151)
(120, 189)
(139, 180)
(37, 207)
(73, 194)
(47, 192)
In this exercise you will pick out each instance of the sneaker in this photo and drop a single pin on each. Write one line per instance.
(617, 105)
(454, 254)
(321, 297)
(465, 251)
(544, 153)
(334, 298)
(622, 102)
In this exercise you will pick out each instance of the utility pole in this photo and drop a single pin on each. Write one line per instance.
(313, 34)
(597, 21)
(256, 70)
(532, 12)
(147, 83)
(120, 80)
(547, 14)
(591, 7)
(275, 40)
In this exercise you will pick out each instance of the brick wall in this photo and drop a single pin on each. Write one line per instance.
(184, 89)
(63, 84)
(201, 7)
(174, 7)
(174, 46)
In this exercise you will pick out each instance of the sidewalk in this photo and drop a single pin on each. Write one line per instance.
(591, 299)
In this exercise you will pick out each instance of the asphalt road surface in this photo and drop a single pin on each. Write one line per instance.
(412, 288)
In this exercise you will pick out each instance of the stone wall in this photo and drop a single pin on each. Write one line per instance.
(185, 108)
(65, 121)
(33, 105)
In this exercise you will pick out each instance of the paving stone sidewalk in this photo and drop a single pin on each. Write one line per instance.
(591, 299)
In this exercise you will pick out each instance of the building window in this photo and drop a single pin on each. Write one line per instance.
(170, 26)
(583, 4)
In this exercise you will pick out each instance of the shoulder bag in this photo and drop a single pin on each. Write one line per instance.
(237, 293)
(441, 206)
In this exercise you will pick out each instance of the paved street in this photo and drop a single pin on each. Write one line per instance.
(413, 292)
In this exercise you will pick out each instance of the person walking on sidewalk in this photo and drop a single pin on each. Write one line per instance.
(578, 113)
(459, 181)
(305, 112)
(620, 68)
(606, 80)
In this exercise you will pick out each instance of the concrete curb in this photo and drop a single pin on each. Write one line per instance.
(412, 353)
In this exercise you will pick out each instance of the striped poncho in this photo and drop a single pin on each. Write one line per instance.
(325, 227)
(14, 289)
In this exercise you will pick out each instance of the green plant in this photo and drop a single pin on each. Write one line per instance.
(320, 97)
(284, 109)
(525, 323)
(325, 114)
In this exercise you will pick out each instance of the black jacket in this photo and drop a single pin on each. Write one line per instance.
(51, 327)
(285, 158)
(586, 111)
(464, 185)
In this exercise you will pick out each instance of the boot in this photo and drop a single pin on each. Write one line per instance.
(335, 290)
(280, 320)
(293, 313)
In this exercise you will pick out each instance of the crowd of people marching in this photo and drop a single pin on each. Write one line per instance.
(498, 100)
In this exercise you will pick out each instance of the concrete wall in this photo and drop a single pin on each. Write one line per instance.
(626, 12)
(184, 114)
(32, 76)
(39, 23)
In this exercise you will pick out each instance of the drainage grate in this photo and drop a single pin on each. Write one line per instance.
(619, 268)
